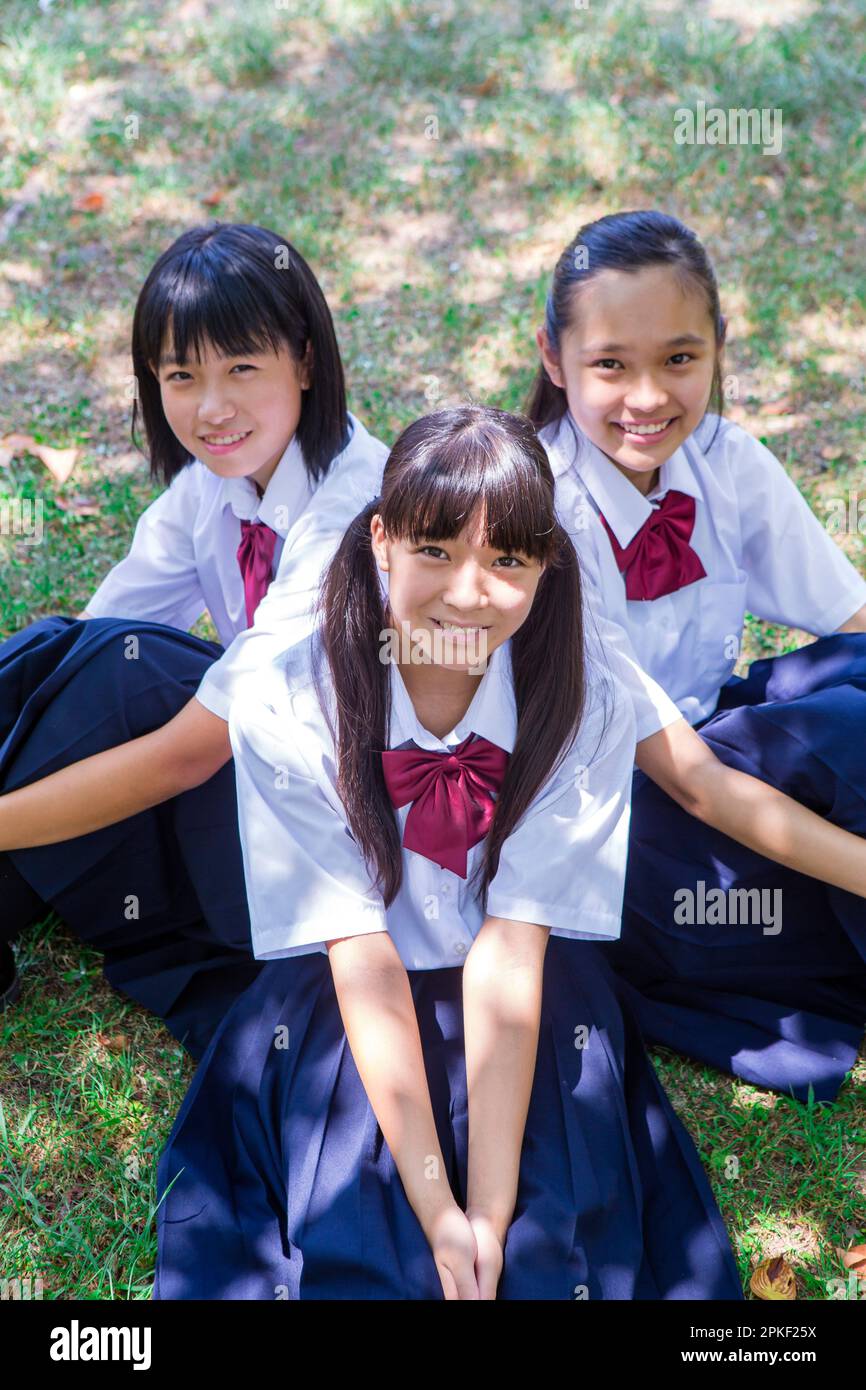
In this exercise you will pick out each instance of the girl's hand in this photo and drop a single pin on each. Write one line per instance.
(490, 1257)
(454, 1249)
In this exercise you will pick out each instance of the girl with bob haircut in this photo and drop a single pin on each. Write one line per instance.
(131, 835)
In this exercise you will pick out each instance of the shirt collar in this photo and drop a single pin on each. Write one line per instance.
(492, 713)
(285, 496)
(624, 508)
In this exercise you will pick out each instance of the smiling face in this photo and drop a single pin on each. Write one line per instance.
(237, 414)
(460, 586)
(636, 364)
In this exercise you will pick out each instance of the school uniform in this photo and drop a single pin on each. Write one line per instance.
(672, 575)
(162, 893)
(276, 1181)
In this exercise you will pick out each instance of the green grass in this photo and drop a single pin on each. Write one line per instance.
(435, 255)
(88, 1085)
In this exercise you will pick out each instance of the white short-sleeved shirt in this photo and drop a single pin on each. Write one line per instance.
(761, 546)
(285, 615)
(183, 557)
(562, 867)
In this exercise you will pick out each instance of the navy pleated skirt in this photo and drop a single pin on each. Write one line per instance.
(780, 998)
(276, 1181)
(162, 894)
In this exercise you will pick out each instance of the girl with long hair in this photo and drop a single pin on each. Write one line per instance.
(432, 1089)
(744, 931)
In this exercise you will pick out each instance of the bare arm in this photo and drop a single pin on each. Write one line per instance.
(110, 786)
(502, 984)
(856, 623)
(378, 1013)
(750, 811)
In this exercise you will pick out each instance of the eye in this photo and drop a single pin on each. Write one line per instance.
(607, 363)
(175, 376)
(426, 549)
(512, 562)
(687, 356)
(244, 367)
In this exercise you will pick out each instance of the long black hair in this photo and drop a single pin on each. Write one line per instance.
(445, 469)
(244, 289)
(626, 241)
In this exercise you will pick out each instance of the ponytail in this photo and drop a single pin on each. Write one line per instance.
(548, 402)
(352, 616)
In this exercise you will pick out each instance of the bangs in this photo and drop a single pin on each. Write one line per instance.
(236, 289)
(210, 297)
(451, 471)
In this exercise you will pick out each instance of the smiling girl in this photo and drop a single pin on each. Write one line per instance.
(683, 522)
(242, 397)
(432, 1089)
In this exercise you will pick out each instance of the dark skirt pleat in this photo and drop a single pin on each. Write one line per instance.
(276, 1181)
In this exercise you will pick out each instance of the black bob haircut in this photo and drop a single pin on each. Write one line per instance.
(242, 289)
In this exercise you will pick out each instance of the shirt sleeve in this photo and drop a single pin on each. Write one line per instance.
(564, 865)
(159, 579)
(306, 879)
(797, 574)
(286, 614)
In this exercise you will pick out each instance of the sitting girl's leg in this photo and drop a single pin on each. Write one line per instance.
(161, 893)
(19, 904)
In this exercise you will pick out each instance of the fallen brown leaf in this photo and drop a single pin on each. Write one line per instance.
(89, 202)
(773, 1280)
(779, 407)
(485, 88)
(81, 506)
(59, 462)
(855, 1259)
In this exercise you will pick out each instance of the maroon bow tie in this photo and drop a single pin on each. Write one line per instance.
(659, 560)
(452, 805)
(256, 559)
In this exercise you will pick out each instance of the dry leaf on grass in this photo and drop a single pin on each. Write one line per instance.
(855, 1259)
(81, 506)
(89, 202)
(485, 88)
(59, 462)
(782, 406)
(774, 1279)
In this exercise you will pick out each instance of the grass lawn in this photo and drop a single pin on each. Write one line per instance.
(430, 161)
